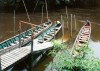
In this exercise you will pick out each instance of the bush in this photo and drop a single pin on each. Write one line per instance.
(57, 46)
(64, 61)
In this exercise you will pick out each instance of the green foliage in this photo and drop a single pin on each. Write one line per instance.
(57, 46)
(64, 61)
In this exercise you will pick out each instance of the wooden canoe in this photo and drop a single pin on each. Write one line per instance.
(82, 39)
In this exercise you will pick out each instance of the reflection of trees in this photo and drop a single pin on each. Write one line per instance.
(51, 3)
(6, 2)
(86, 3)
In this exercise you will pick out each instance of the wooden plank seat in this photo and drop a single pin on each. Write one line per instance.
(29, 34)
(82, 41)
(40, 40)
(56, 29)
(36, 31)
(86, 33)
(86, 26)
(39, 30)
(86, 36)
(86, 30)
(45, 25)
(46, 36)
(50, 34)
(80, 45)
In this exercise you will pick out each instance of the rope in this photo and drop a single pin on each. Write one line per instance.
(35, 6)
(26, 11)
(47, 10)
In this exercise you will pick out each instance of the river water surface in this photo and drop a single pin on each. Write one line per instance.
(7, 27)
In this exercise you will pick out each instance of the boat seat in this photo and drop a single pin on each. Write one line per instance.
(16, 42)
(26, 36)
(12, 44)
(40, 41)
(45, 39)
(47, 36)
(85, 33)
(86, 26)
(51, 34)
(56, 29)
(84, 36)
(29, 34)
(82, 42)
(36, 31)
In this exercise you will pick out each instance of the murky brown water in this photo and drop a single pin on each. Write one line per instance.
(6, 25)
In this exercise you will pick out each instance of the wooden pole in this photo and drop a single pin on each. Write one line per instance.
(63, 31)
(71, 24)
(14, 22)
(47, 10)
(75, 22)
(32, 43)
(67, 16)
(43, 24)
(54, 30)
(31, 59)
(62, 21)
(67, 24)
(19, 34)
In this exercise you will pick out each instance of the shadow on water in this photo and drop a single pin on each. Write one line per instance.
(6, 29)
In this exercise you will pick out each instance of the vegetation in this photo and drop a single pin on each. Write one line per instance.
(65, 61)
(57, 46)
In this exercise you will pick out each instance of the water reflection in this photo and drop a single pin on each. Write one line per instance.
(95, 47)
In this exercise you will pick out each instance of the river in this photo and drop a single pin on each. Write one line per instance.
(7, 27)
